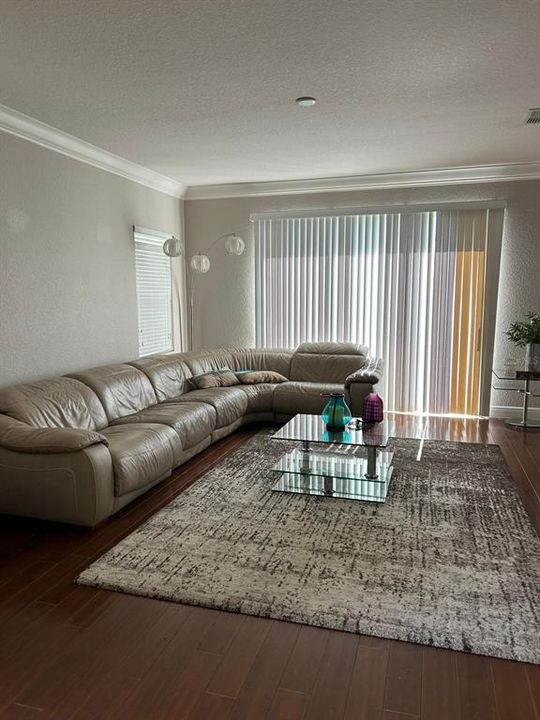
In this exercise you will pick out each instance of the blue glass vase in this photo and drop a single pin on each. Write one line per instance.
(336, 414)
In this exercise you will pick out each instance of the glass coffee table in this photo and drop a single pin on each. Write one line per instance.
(336, 469)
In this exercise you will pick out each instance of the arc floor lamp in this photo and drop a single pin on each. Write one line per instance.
(199, 264)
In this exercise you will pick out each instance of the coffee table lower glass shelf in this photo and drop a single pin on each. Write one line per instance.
(335, 474)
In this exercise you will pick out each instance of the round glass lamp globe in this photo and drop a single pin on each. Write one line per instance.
(234, 245)
(172, 247)
(200, 264)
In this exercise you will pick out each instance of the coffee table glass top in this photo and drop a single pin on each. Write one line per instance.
(311, 428)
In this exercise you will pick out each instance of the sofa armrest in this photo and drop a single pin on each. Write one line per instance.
(55, 475)
(360, 383)
(25, 439)
(75, 488)
(371, 373)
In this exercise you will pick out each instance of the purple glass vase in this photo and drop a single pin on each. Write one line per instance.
(372, 409)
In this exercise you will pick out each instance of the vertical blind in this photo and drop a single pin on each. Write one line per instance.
(410, 285)
(154, 294)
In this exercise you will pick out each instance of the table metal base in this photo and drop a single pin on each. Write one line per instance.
(528, 376)
(523, 423)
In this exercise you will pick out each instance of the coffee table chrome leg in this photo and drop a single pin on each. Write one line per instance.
(371, 463)
(306, 468)
(526, 403)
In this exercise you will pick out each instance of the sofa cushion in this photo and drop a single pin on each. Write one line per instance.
(142, 453)
(122, 389)
(168, 374)
(260, 398)
(295, 397)
(56, 403)
(230, 403)
(192, 422)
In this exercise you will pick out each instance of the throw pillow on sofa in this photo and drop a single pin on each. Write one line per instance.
(216, 378)
(204, 381)
(227, 377)
(261, 376)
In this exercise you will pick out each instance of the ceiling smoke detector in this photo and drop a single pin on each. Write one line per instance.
(533, 117)
(305, 101)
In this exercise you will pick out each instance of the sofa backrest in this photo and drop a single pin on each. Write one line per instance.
(168, 374)
(207, 360)
(93, 398)
(122, 389)
(327, 362)
(55, 403)
(259, 359)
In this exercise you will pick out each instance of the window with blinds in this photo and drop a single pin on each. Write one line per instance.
(410, 285)
(154, 294)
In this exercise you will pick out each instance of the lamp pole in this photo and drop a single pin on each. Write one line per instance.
(191, 314)
(200, 264)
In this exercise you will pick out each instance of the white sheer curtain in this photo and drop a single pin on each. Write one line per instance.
(394, 281)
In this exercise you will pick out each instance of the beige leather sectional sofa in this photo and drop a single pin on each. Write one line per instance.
(78, 448)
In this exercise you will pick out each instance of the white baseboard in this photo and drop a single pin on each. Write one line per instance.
(512, 411)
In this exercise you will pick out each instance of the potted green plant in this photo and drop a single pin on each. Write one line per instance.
(527, 334)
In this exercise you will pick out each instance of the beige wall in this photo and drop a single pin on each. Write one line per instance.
(225, 296)
(67, 277)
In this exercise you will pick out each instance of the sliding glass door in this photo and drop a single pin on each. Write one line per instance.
(410, 285)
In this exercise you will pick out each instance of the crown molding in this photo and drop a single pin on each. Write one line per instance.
(416, 178)
(35, 131)
(28, 128)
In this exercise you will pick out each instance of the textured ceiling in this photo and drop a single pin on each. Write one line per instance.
(203, 90)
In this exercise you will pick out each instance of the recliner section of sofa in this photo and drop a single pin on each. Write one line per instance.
(142, 452)
(77, 448)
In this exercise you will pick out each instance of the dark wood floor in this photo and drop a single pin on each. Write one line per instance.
(69, 652)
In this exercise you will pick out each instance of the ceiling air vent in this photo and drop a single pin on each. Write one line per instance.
(533, 117)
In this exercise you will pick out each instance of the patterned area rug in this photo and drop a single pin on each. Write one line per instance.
(450, 559)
